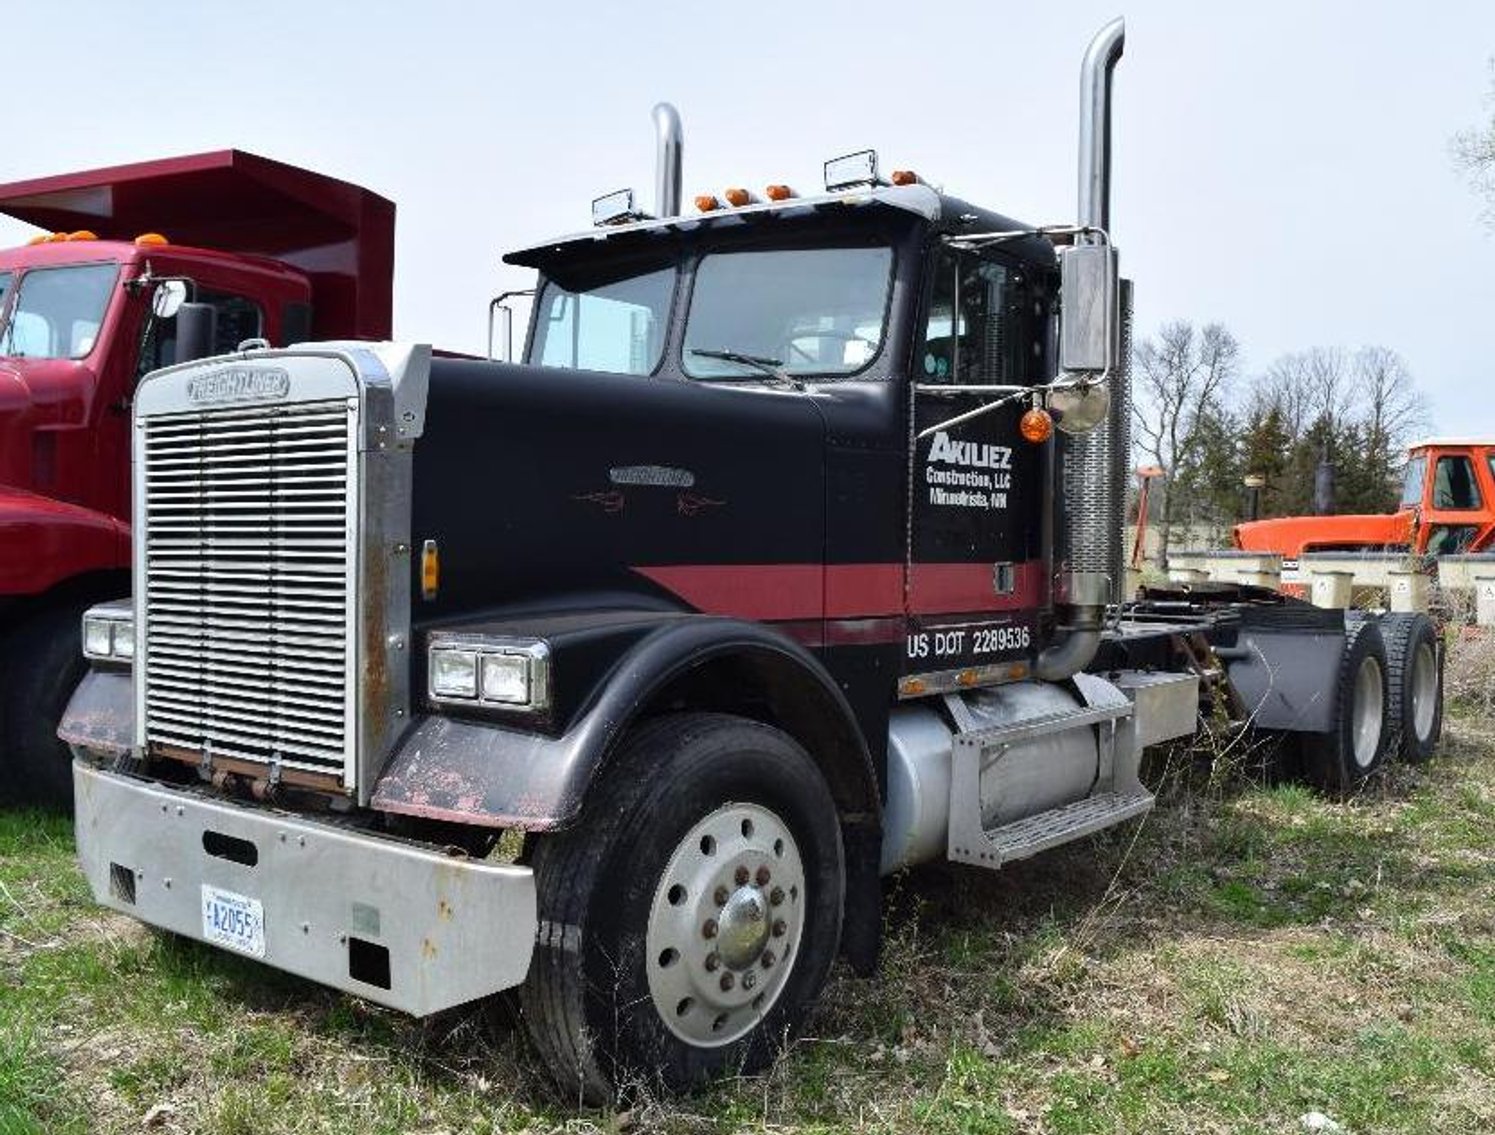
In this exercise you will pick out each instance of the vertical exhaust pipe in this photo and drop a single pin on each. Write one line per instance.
(668, 155)
(1092, 467)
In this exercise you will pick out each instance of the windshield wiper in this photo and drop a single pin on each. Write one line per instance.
(774, 368)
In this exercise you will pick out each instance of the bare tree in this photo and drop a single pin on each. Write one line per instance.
(1182, 377)
(1474, 153)
(1389, 404)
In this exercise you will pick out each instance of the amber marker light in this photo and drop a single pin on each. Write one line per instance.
(430, 570)
(54, 238)
(738, 197)
(83, 234)
(151, 238)
(904, 177)
(1036, 426)
(912, 687)
(778, 193)
(707, 203)
(42, 239)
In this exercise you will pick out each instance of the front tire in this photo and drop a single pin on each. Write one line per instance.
(689, 918)
(1355, 748)
(43, 666)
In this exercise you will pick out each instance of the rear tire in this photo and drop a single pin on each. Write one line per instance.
(43, 666)
(1414, 678)
(689, 918)
(1355, 748)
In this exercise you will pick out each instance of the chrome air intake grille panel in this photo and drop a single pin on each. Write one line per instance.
(249, 557)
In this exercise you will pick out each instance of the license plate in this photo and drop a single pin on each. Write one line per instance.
(234, 921)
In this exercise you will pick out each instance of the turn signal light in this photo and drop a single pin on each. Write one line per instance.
(707, 202)
(778, 193)
(1036, 426)
(430, 570)
(738, 197)
(905, 177)
(151, 238)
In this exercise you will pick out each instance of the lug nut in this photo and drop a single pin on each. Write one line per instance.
(776, 896)
(710, 928)
(768, 959)
(713, 962)
(728, 981)
(762, 877)
(749, 980)
(741, 876)
(720, 896)
(779, 927)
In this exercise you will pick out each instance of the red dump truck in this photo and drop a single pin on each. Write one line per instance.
(139, 266)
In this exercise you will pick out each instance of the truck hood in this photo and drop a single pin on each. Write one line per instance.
(1291, 536)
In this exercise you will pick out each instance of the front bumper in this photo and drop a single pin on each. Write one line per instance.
(394, 922)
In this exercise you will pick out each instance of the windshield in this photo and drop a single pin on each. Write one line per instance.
(617, 327)
(1417, 471)
(801, 311)
(58, 311)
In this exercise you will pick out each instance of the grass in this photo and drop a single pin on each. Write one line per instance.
(1252, 954)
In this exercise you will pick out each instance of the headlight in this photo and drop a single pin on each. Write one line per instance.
(488, 671)
(109, 633)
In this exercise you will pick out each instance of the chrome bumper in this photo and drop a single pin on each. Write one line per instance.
(392, 922)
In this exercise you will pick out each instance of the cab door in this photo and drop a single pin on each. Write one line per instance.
(1457, 507)
(975, 579)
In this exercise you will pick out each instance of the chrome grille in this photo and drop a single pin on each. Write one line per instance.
(249, 560)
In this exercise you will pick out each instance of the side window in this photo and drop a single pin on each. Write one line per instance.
(974, 332)
(1416, 476)
(1450, 539)
(238, 319)
(1453, 484)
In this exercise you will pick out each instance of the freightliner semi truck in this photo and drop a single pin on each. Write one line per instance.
(622, 676)
(256, 250)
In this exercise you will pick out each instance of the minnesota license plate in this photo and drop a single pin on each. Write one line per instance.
(234, 921)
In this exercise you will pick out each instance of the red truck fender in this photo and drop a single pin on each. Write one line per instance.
(55, 541)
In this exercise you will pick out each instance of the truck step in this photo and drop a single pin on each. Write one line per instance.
(1029, 836)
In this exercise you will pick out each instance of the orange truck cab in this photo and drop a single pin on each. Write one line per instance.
(261, 250)
(1447, 506)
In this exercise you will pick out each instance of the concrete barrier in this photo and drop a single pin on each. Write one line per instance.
(1331, 589)
(1484, 593)
(1409, 591)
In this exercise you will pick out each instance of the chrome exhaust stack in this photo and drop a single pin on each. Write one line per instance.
(669, 154)
(1092, 466)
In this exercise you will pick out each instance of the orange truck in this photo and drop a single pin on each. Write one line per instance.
(1447, 506)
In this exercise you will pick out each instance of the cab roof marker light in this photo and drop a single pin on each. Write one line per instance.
(852, 170)
(151, 239)
(707, 203)
(778, 193)
(737, 197)
(82, 234)
(905, 177)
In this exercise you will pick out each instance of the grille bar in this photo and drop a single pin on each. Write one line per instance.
(249, 561)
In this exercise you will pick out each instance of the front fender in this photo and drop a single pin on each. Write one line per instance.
(45, 541)
(496, 775)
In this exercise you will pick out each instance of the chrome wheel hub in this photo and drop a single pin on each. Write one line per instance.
(1366, 712)
(725, 924)
(1424, 691)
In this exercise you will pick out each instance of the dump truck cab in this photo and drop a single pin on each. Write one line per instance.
(267, 253)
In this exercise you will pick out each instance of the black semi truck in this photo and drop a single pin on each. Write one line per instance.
(789, 557)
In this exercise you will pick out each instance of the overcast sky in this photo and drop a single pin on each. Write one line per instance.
(1280, 167)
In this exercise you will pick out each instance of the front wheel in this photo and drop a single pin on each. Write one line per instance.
(691, 914)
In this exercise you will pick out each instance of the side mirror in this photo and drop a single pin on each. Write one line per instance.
(169, 296)
(1088, 308)
(196, 331)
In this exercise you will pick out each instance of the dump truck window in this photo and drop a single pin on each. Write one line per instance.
(1413, 480)
(974, 334)
(1450, 539)
(1453, 484)
(807, 311)
(58, 311)
(617, 327)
